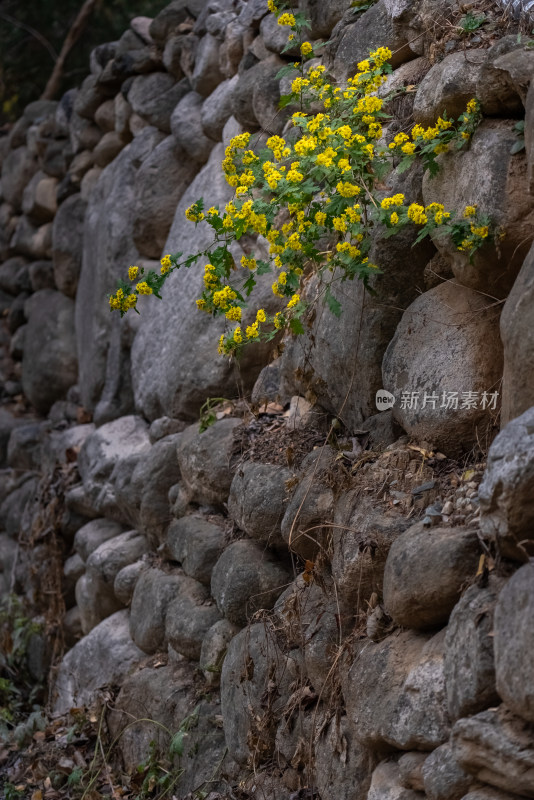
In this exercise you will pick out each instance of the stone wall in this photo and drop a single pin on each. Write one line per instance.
(353, 610)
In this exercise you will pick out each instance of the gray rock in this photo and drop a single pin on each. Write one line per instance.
(206, 74)
(153, 593)
(255, 687)
(187, 129)
(39, 201)
(275, 37)
(447, 319)
(376, 27)
(517, 339)
(108, 251)
(42, 275)
(165, 426)
(361, 537)
(426, 570)
(308, 616)
(95, 600)
(507, 490)
(103, 658)
(102, 450)
(496, 747)
(216, 109)
(464, 179)
(14, 506)
(49, 361)
(88, 98)
(469, 661)
(166, 380)
(231, 50)
(508, 64)
(111, 556)
(213, 651)
(443, 777)
(168, 20)
(386, 784)
(448, 87)
(160, 182)
(395, 692)
(14, 277)
(489, 793)
(245, 579)
(105, 116)
(36, 243)
(173, 55)
(342, 766)
(337, 349)
(310, 506)
(257, 501)
(204, 460)
(196, 544)
(73, 569)
(17, 170)
(24, 448)
(513, 643)
(189, 618)
(323, 16)
(154, 97)
(84, 135)
(108, 148)
(125, 581)
(411, 766)
(67, 244)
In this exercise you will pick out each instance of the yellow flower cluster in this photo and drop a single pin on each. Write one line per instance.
(165, 264)
(121, 301)
(286, 19)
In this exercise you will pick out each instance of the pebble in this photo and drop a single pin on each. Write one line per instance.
(448, 508)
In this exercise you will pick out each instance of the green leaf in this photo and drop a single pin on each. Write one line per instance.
(263, 268)
(333, 304)
(517, 147)
(405, 164)
(176, 747)
(287, 70)
(296, 326)
(285, 100)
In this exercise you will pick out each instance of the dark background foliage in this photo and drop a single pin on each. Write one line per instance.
(32, 33)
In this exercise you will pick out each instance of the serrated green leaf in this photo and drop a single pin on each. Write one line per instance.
(285, 100)
(333, 304)
(296, 326)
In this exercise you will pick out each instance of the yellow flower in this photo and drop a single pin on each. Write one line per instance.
(470, 211)
(408, 148)
(394, 218)
(237, 335)
(472, 106)
(347, 189)
(320, 217)
(133, 272)
(248, 262)
(165, 264)
(294, 300)
(276, 290)
(286, 19)
(416, 214)
(143, 288)
(221, 348)
(278, 321)
(201, 303)
(481, 231)
(260, 315)
(395, 200)
(233, 313)
(306, 48)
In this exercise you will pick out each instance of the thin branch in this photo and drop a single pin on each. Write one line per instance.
(36, 35)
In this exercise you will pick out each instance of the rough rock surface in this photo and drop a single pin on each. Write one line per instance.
(104, 657)
(506, 492)
(417, 367)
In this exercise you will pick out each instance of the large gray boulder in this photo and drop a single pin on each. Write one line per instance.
(108, 251)
(518, 340)
(17, 170)
(189, 618)
(67, 244)
(205, 461)
(166, 380)
(103, 658)
(187, 128)
(486, 174)
(426, 570)
(395, 692)
(49, 359)
(514, 638)
(446, 346)
(160, 182)
(257, 501)
(496, 747)
(153, 594)
(101, 452)
(507, 489)
(254, 669)
(154, 97)
(93, 534)
(339, 358)
(469, 657)
(196, 544)
(245, 579)
(448, 87)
